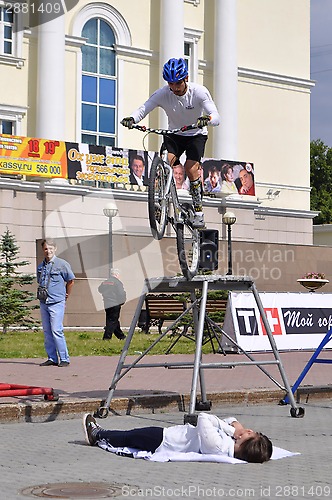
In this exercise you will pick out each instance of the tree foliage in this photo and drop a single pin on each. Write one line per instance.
(321, 181)
(15, 300)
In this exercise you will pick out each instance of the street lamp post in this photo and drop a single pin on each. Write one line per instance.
(229, 219)
(110, 211)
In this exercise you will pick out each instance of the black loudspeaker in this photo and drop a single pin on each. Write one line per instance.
(209, 243)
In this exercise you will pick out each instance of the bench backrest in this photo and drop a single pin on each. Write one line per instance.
(163, 306)
(168, 305)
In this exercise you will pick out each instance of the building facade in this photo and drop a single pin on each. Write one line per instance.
(73, 75)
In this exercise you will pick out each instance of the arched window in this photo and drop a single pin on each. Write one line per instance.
(99, 81)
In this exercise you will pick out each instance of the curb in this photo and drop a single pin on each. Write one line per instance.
(32, 411)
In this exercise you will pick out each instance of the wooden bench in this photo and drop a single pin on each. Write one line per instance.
(160, 308)
(215, 309)
(168, 307)
(216, 306)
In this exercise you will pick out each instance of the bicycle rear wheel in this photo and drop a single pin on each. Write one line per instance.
(157, 202)
(188, 245)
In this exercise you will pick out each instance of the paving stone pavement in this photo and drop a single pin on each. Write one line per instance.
(54, 452)
(88, 378)
(43, 442)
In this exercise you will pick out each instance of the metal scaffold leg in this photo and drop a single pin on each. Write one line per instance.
(198, 288)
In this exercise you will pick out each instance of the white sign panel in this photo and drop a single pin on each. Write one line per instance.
(297, 321)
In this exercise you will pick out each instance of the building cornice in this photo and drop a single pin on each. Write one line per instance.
(246, 203)
(125, 50)
(289, 187)
(285, 212)
(275, 78)
(75, 41)
(12, 61)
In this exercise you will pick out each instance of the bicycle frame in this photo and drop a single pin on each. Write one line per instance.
(170, 191)
(162, 192)
(170, 187)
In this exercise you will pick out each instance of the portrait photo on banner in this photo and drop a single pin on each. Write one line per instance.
(228, 177)
(139, 166)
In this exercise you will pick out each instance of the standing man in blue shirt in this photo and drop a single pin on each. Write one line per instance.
(55, 279)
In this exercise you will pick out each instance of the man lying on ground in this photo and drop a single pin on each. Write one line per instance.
(212, 435)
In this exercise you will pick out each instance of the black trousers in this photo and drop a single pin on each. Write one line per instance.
(146, 438)
(113, 323)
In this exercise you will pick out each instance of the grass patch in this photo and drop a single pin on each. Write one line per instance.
(30, 344)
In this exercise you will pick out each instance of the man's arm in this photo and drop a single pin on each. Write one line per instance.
(210, 108)
(212, 440)
(69, 286)
(146, 108)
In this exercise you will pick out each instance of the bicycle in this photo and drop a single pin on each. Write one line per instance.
(161, 194)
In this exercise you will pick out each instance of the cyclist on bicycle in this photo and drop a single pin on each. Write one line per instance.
(184, 103)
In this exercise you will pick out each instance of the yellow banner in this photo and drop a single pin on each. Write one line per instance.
(31, 156)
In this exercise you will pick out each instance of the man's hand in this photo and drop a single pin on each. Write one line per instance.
(128, 122)
(203, 121)
(238, 429)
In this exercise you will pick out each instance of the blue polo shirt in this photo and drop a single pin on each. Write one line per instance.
(54, 275)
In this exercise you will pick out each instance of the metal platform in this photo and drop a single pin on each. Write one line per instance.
(198, 288)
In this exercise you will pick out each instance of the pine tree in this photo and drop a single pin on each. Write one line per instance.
(15, 299)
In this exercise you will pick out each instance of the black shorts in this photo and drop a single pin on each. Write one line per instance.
(192, 145)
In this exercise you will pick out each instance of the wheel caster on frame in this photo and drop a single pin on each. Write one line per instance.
(102, 412)
(297, 412)
(190, 419)
(203, 405)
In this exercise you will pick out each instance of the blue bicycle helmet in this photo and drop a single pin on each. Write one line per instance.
(175, 70)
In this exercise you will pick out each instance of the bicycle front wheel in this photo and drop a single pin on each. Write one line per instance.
(188, 245)
(157, 202)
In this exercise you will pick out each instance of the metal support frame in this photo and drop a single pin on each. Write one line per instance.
(312, 360)
(202, 284)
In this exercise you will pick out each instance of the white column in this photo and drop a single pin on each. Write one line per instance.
(171, 30)
(226, 80)
(51, 79)
(171, 36)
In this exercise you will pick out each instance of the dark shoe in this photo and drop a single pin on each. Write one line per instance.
(121, 337)
(63, 363)
(198, 221)
(91, 428)
(49, 362)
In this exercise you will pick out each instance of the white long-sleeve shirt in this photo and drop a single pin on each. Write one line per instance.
(212, 435)
(181, 110)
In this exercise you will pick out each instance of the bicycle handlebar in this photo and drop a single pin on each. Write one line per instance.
(160, 131)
